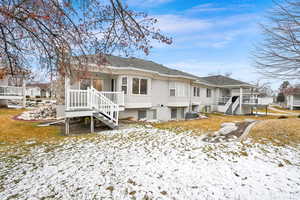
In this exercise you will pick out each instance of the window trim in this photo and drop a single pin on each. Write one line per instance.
(139, 92)
(208, 94)
(196, 91)
(126, 85)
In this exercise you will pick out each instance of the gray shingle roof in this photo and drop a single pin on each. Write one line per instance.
(137, 63)
(117, 61)
(223, 80)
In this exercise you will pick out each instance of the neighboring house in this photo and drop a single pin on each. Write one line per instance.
(265, 100)
(140, 89)
(292, 97)
(12, 87)
(42, 90)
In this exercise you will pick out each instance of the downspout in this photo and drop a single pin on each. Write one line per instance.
(190, 93)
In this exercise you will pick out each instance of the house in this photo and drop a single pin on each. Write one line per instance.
(12, 86)
(292, 97)
(34, 90)
(140, 89)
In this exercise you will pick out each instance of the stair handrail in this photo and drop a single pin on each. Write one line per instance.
(228, 103)
(235, 104)
(104, 105)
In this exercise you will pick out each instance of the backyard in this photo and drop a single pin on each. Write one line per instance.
(150, 161)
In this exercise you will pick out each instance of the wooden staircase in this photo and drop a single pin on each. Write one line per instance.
(95, 104)
(232, 105)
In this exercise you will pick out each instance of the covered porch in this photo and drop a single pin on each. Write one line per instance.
(12, 93)
(236, 100)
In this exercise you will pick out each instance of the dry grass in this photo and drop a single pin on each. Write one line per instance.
(213, 123)
(14, 131)
(262, 110)
(277, 131)
(286, 110)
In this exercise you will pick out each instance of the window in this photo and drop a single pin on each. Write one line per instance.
(85, 83)
(142, 114)
(177, 89)
(208, 93)
(124, 85)
(143, 89)
(152, 114)
(172, 89)
(139, 86)
(135, 85)
(196, 92)
(173, 113)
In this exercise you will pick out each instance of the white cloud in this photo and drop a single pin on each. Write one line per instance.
(208, 7)
(181, 24)
(241, 71)
(212, 32)
(146, 3)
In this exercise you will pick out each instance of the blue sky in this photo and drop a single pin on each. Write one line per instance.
(209, 36)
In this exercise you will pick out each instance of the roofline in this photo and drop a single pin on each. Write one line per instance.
(150, 71)
(196, 79)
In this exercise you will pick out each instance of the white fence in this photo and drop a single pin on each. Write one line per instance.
(116, 97)
(81, 99)
(105, 102)
(11, 91)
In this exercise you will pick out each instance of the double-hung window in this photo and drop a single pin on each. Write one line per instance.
(172, 89)
(124, 85)
(139, 86)
(196, 92)
(208, 93)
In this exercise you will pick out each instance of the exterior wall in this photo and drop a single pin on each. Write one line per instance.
(265, 100)
(33, 91)
(4, 81)
(158, 93)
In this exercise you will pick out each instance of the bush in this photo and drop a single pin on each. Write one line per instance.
(298, 116)
(282, 117)
(38, 97)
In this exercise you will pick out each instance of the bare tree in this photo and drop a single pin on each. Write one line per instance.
(278, 55)
(49, 32)
(263, 88)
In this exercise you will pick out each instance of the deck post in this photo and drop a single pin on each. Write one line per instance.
(67, 126)
(92, 124)
(24, 94)
(241, 99)
(67, 87)
(292, 102)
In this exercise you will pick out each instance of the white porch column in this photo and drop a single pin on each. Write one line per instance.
(67, 87)
(24, 94)
(241, 99)
(292, 102)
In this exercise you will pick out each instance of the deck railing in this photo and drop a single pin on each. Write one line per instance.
(116, 97)
(11, 91)
(223, 100)
(77, 99)
(296, 102)
(105, 102)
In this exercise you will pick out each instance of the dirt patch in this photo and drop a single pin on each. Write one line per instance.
(233, 135)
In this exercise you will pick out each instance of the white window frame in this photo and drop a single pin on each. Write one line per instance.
(210, 93)
(172, 88)
(196, 91)
(139, 92)
(180, 89)
(124, 85)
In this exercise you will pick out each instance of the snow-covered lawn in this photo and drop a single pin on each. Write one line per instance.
(148, 163)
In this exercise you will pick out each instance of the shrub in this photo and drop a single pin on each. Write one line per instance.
(298, 116)
(282, 117)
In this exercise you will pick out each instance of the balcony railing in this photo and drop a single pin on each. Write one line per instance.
(115, 97)
(11, 91)
(223, 100)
